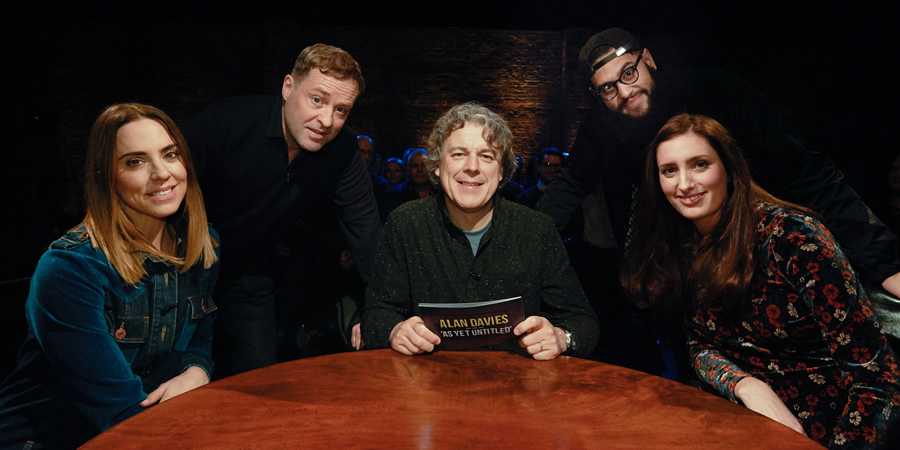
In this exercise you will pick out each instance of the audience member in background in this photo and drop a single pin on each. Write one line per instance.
(119, 312)
(466, 243)
(264, 163)
(547, 162)
(417, 186)
(395, 171)
(379, 184)
(777, 319)
(377, 166)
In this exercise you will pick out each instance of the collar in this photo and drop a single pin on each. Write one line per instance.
(438, 196)
(274, 128)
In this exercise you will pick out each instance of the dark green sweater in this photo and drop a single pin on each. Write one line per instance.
(424, 258)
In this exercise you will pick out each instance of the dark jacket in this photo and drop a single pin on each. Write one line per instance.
(96, 345)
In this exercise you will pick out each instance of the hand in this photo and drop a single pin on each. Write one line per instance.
(541, 339)
(412, 337)
(759, 397)
(192, 378)
(356, 339)
(892, 284)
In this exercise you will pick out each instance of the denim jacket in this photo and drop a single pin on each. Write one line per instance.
(96, 345)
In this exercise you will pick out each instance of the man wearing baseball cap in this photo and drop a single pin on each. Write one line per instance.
(634, 98)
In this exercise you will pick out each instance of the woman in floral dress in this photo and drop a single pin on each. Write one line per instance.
(776, 317)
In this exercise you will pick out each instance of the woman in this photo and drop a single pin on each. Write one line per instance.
(119, 311)
(776, 317)
(394, 171)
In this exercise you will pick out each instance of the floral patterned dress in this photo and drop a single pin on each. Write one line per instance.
(810, 333)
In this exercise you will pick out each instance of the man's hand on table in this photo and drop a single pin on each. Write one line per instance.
(412, 337)
(356, 339)
(541, 339)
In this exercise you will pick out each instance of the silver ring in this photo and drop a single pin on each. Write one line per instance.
(542, 346)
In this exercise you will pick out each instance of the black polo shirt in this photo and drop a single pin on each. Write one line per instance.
(254, 195)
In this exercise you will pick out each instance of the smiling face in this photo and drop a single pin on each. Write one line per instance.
(393, 173)
(632, 99)
(150, 177)
(470, 173)
(693, 179)
(315, 109)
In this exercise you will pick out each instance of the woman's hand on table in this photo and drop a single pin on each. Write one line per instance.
(412, 337)
(759, 397)
(191, 378)
(540, 338)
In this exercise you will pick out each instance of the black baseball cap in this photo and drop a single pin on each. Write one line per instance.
(618, 39)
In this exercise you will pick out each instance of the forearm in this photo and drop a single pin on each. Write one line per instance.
(66, 316)
(716, 370)
(378, 323)
(199, 352)
(358, 212)
(585, 334)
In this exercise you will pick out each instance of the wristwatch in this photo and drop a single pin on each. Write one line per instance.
(570, 343)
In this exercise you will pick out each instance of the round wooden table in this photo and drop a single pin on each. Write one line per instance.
(380, 398)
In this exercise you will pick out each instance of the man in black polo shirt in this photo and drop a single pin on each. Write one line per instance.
(262, 163)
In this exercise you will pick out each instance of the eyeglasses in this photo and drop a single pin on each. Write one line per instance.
(629, 76)
(550, 164)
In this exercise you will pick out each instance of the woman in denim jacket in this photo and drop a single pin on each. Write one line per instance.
(119, 311)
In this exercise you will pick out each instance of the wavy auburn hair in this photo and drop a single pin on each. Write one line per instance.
(668, 251)
(107, 224)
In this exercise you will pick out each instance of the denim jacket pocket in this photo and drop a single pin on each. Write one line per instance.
(201, 306)
(130, 329)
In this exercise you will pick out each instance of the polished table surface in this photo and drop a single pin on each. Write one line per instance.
(380, 398)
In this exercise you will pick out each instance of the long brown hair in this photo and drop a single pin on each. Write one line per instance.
(668, 249)
(110, 229)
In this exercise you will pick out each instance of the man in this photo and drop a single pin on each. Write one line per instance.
(417, 186)
(547, 162)
(379, 184)
(468, 244)
(634, 99)
(263, 162)
(367, 150)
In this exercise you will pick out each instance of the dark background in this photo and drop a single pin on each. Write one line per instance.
(830, 67)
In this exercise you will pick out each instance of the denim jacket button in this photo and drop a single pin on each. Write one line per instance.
(120, 333)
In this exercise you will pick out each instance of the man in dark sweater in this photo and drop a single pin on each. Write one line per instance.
(468, 244)
(262, 163)
(634, 100)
